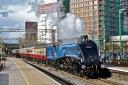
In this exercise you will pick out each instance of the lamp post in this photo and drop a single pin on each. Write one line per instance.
(1, 49)
(104, 43)
(120, 30)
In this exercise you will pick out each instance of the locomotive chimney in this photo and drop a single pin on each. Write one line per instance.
(84, 38)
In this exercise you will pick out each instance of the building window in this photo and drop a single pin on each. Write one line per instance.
(95, 7)
(90, 8)
(90, 3)
(72, 6)
(72, 1)
(91, 23)
(84, 3)
(95, 2)
(91, 13)
(77, 6)
(95, 22)
(81, 4)
(81, 9)
(91, 18)
(95, 13)
(72, 10)
(77, 1)
(77, 9)
(91, 26)
(80, 0)
(84, 9)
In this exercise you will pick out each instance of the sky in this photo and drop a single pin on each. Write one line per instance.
(13, 14)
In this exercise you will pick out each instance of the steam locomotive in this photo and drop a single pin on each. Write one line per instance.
(78, 56)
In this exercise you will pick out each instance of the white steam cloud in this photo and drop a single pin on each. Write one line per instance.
(70, 27)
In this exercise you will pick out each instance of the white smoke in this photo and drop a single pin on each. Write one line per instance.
(53, 17)
(70, 27)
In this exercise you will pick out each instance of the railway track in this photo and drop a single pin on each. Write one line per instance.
(99, 81)
(120, 76)
(75, 79)
(58, 79)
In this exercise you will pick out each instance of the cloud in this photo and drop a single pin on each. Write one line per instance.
(22, 13)
(17, 18)
(11, 37)
(49, 1)
(72, 25)
(18, 11)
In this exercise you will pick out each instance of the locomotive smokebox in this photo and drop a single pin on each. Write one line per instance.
(84, 38)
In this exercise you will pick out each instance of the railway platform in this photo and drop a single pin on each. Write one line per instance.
(117, 68)
(119, 73)
(17, 72)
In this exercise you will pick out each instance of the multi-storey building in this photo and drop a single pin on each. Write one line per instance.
(46, 28)
(30, 32)
(101, 17)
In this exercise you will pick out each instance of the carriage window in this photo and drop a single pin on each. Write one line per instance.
(41, 52)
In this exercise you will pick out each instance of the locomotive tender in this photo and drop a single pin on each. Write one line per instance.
(77, 56)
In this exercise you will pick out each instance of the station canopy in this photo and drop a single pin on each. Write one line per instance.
(117, 38)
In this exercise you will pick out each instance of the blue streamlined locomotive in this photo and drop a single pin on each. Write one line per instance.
(77, 56)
